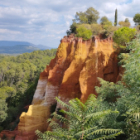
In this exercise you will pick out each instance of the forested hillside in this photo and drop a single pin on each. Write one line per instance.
(18, 79)
(19, 47)
(94, 80)
(115, 112)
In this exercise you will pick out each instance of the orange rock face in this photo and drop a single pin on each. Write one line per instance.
(72, 73)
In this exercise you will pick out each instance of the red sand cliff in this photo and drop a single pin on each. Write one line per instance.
(72, 73)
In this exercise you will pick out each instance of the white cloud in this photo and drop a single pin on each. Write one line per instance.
(6, 31)
(45, 22)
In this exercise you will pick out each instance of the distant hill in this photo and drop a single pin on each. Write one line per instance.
(18, 47)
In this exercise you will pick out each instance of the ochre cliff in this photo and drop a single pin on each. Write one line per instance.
(72, 73)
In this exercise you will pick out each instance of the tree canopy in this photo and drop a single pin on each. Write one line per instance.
(83, 32)
(136, 19)
(18, 79)
(104, 20)
(124, 35)
(116, 18)
(89, 16)
(125, 23)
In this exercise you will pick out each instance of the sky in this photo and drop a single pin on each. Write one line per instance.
(46, 21)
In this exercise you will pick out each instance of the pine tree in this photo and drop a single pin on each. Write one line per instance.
(116, 17)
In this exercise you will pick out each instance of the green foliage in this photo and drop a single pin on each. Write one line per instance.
(88, 19)
(108, 91)
(72, 29)
(103, 20)
(3, 109)
(80, 17)
(125, 95)
(136, 19)
(82, 121)
(130, 97)
(89, 16)
(124, 35)
(92, 15)
(116, 18)
(132, 124)
(5, 93)
(108, 29)
(83, 32)
(18, 80)
(126, 20)
(124, 23)
(96, 29)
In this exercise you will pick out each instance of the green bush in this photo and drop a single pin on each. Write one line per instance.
(96, 29)
(124, 35)
(83, 32)
(18, 79)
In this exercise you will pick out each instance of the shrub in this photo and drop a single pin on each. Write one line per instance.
(83, 32)
(96, 29)
(109, 29)
(124, 35)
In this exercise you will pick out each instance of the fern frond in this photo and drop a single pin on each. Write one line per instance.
(104, 132)
(60, 118)
(83, 120)
(97, 114)
(85, 131)
(70, 114)
(54, 124)
(80, 103)
(62, 103)
(100, 114)
(110, 136)
(46, 136)
(49, 120)
(75, 106)
(57, 134)
(94, 116)
(90, 101)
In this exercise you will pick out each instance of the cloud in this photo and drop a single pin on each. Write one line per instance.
(3, 31)
(45, 22)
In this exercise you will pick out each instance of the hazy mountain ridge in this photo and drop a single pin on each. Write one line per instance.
(18, 47)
